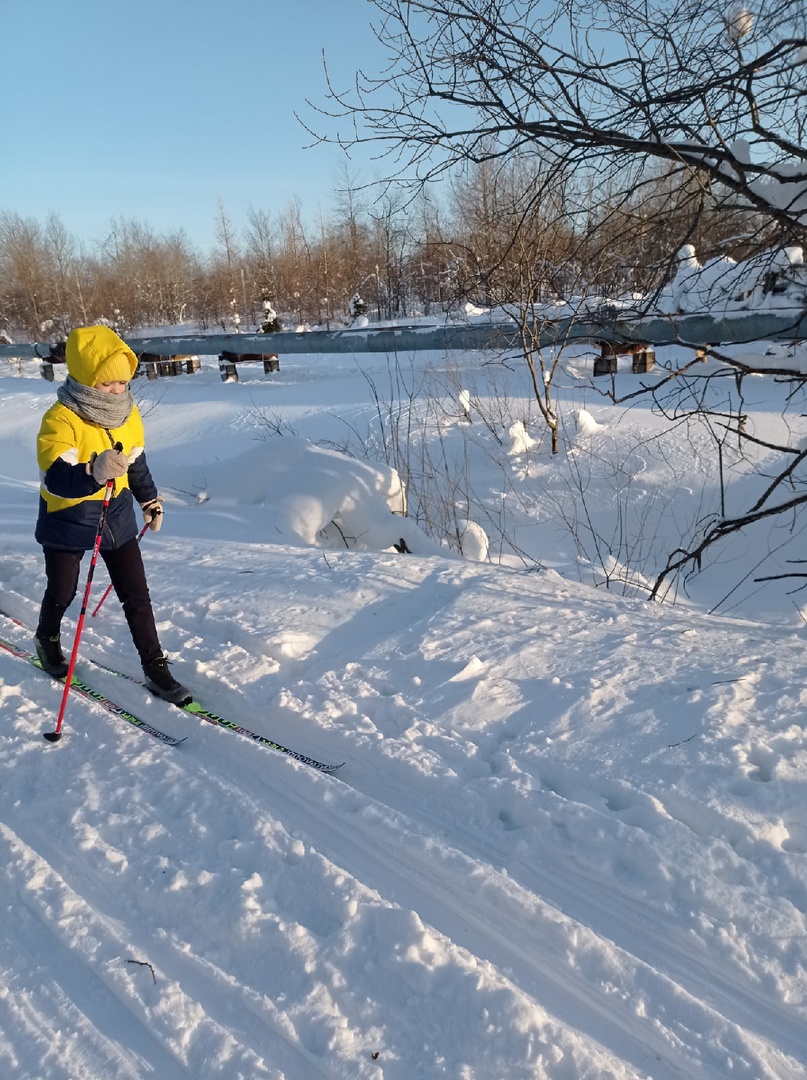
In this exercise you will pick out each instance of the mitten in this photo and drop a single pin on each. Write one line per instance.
(153, 514)
(107, 466)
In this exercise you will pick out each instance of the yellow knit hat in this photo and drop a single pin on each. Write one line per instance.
(116, 368)
(95, 354)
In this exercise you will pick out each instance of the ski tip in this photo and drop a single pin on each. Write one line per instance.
(51, 736)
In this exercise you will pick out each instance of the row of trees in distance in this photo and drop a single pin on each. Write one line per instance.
(399, 255)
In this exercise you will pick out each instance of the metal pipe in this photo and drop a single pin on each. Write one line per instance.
(651, 330)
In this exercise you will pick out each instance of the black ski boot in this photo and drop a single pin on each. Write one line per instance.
(51, 657)
(162, 683)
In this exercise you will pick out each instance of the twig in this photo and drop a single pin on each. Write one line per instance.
(144, 963)
(681, 743)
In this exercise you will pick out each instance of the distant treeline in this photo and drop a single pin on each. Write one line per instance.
(496, 237)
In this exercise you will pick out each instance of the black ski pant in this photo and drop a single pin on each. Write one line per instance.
(128, 577)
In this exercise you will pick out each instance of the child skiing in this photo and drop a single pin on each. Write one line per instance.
(92, 435)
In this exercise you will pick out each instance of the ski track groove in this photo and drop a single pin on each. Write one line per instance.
(99, 1008)
(568, 888)
(746, 1007)
(438, 902)
(175, 966)
(438, 898)
(441, 904)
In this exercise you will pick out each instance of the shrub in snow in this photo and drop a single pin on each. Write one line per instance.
(270, 323)
(357, 306)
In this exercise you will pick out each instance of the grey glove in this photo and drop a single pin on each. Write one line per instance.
(107, 466)
(153, 514)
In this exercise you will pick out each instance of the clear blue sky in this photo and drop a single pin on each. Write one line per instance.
(159, 109)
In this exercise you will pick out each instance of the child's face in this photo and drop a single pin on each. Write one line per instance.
(111, 387)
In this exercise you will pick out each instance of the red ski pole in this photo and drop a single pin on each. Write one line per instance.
(54, 736)
(108, 590)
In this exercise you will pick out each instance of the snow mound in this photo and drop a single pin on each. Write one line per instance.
(772, 279)
(474, 543)
(521, 441)
(309, 494)
(586, 424)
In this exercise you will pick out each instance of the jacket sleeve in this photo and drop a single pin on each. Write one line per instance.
(140, 480)
(62, 473)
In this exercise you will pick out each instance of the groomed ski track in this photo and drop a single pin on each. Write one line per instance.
(565, 944)
(387, 853)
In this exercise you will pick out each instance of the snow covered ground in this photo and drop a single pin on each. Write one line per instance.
(569, 838)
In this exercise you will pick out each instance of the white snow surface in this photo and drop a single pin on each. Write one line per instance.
(569, 837)
(725, 287)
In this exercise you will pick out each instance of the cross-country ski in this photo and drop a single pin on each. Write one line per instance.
(193, 707)
(83, 689)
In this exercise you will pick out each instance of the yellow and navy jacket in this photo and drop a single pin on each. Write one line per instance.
(70, 498)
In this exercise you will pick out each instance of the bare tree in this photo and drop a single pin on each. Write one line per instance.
(261, 242)
(226, 271)
(351, 239)
(718, 94)
(294, 258)
(23, 273)
(391, 241)
(670, 125)
(140, 278)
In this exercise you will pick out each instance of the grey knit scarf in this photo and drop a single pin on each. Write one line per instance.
(106, 410)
